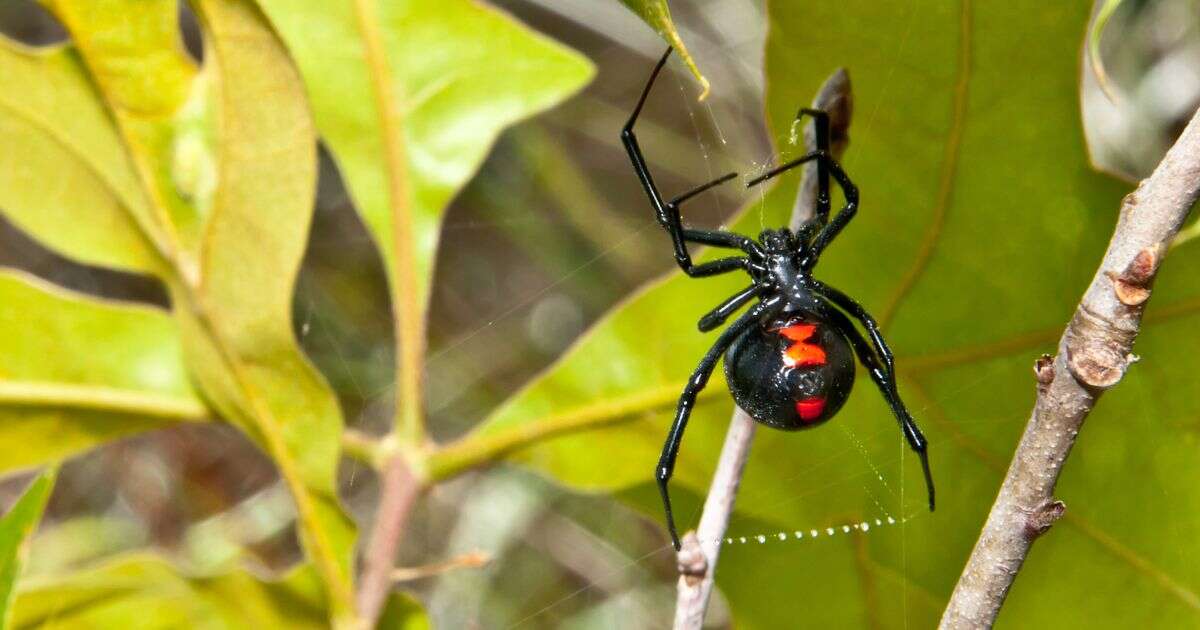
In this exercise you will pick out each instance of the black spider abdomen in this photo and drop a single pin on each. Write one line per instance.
(791, 373)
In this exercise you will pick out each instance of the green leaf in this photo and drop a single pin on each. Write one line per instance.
(981, 225)
(135, 55)
(15, 528)
(50, 110)
(657, 15)
(145, 591)
(76, 372)
(434, 83)
(403, 612)
(245, 348)
(225, 162)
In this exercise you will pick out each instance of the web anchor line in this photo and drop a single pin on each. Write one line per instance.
(846, 528)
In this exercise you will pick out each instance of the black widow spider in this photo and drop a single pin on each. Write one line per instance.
(788, 359)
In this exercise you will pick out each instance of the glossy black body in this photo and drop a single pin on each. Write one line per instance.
(767, 388)
(780, 264)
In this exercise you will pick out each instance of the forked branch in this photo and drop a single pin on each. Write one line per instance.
(1093, 354)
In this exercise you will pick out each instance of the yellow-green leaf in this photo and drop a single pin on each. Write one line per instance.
(76, 372)
(67, 166)
(432, 85)
(145, 591)
(657, 15)
(403, 612)
(226, 160)
(255, 238)
(15, 528)
(134, 52)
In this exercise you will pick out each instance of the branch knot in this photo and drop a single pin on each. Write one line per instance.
(691, 561)
(1043, 371)
(1132, 286)
(1039, 521)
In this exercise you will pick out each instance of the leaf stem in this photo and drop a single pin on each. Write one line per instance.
(400, 484)
(316, 540)
(101, 398)
(476, 450)
(365, 448)
(406, 295)
(1093, 355)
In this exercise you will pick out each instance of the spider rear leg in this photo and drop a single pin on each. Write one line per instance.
(856, 310)
(886, 382)
(687, 400)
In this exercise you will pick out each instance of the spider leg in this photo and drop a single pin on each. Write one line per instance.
(699, 378)
(718, 315)
(667, 212)
(718, 238)
(835, 226)
(714, 268)
(847, 303)
(885, 380)
(635, 153)
(680, 237)
(821, 123)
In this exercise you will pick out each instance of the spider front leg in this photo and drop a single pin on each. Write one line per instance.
(687, 400)
(821, 123)
(667, 212)
(673, 223)
(885, 380)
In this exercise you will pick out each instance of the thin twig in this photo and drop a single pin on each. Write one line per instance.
(700, 550)
(399, 491)
(1093, 354)
(364, 448)
(697, 558)
(472, 560)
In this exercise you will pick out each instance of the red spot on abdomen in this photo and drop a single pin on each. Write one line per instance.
(802, 352)
(810, 409)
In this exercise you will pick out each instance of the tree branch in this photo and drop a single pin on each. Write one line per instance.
(1093, 354)
(697, 559)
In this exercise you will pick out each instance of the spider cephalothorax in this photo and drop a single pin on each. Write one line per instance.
(779, 242)
(789, 359)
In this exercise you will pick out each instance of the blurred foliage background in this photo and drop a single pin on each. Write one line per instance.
(554, 231)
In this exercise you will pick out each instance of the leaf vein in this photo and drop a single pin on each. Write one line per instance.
(948, 175)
